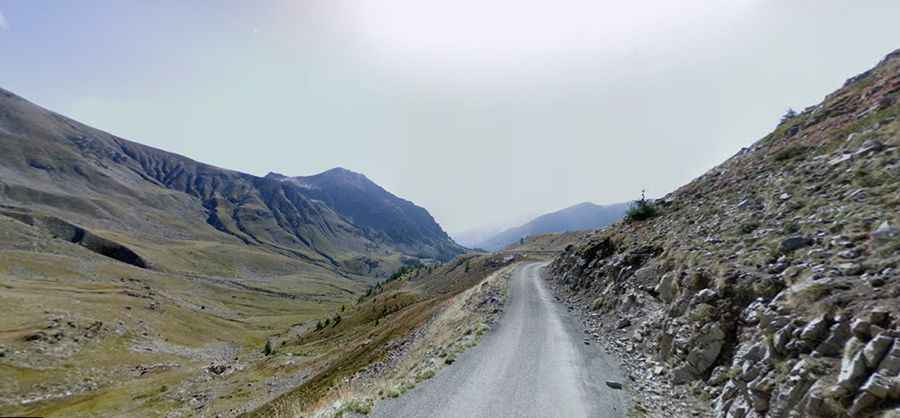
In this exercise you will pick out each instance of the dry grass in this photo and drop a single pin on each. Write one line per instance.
(449, 324)
(190, 312)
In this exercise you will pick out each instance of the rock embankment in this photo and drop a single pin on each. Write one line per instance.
(768, 286)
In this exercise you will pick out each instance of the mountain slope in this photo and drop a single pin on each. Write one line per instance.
(135, 281)
(88, 177)
(582, 216)
(381, 215)
(769, 284)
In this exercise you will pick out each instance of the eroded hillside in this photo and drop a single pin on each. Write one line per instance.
(338, 220)
(137, 282)
(769, 285)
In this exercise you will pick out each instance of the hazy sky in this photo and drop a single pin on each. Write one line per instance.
(480, 111)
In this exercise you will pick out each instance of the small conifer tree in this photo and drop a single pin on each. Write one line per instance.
(641, 209)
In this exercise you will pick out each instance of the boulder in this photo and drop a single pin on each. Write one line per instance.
(875, 350)
(752, 314)
(739, 408)
(815, 331)
(706, 347)
(794, 243)
(818, 401)
(666, 288)
(890, 364)
(850, 269)
(876, 389)
(218, 368)
(782, 338)
(870, 145)
(882, 387)
(646, 276)
(757, 352)
(861, 328)
(853, 368)
(613, 384)
(760, 391)
(704, 296)
(879, 316)
(834, 343)
(791, 391)
(885, 231)
(683, 374)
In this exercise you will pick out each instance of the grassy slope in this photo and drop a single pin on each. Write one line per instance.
(195, 305)
(213, 303)
(234, 259)
(373, 327)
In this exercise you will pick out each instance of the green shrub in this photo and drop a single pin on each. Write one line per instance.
(791, 228)
(748, 227)
(788, 115)
(394, 392)
(425, 375)
(400, 273)
(790, 152)
(356, 406)
(399, 389)
(641, 210)
(268, 350)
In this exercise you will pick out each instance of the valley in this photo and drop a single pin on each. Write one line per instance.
(137, 282)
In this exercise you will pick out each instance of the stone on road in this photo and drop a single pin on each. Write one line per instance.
(533, 364)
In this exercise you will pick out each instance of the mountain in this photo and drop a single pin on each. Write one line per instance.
(769, 285)
(381, 215)
(135, 280)
(574, 218)
(69, 173)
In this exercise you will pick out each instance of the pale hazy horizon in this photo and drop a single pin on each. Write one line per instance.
(484, 114)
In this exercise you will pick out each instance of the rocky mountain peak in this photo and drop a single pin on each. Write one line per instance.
(276, 176)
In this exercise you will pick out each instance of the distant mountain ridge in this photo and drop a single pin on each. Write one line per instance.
(368, 205)
(583, 216)
(94, 179)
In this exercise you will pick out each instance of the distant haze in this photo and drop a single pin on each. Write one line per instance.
(480, 112)
(581, 217)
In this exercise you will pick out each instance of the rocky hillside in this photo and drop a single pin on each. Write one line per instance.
(79, 175)
(382, 216)
(768, 286)
(583, 216)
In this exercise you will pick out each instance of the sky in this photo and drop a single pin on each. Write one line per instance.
(484, 113)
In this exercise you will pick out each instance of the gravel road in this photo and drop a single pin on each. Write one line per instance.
(534, 363)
